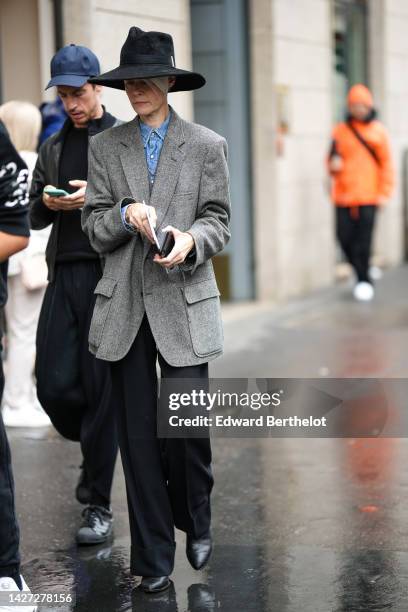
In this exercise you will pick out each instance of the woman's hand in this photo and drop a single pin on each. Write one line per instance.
(136, 216)
(183, 243)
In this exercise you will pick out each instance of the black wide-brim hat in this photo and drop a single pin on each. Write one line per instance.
(146, 55)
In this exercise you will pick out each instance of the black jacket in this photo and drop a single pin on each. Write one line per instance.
(46, 173)
(13, 199)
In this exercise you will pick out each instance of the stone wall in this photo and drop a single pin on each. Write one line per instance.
(389, 75)
(294, 229)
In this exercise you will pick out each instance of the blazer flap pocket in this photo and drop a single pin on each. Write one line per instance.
(105, 286)
(201, 291)
(183, 194)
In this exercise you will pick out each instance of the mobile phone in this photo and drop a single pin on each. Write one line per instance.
(167, 244)
(53, 192)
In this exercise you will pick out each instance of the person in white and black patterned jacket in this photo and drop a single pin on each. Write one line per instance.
(13, 206)
(14, 234)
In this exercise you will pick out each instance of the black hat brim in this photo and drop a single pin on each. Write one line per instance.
(185, 80)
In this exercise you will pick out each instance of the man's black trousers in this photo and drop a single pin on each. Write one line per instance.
(355, 227)
(168, 481)
(9, 531)
(73, 386)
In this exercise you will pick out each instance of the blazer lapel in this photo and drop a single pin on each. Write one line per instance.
(133, 161)
(168, 169)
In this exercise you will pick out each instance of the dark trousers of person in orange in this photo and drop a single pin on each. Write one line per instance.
(355, 226)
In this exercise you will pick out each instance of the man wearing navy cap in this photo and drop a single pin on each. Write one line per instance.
(73, 387)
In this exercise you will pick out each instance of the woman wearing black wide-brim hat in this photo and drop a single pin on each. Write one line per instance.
(158, 298)
(147, 55)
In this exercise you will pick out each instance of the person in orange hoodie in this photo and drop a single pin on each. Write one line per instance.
(361, 167)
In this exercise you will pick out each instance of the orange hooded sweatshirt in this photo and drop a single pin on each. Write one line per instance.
(362, 179)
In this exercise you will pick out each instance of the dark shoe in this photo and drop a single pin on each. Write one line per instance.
(163, 601)
(97, 526)
(95, 553)
(82, 491)
(155, 584)
(201, 597)
(198, 551)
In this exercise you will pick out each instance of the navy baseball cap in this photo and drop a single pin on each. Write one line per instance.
(73, 65)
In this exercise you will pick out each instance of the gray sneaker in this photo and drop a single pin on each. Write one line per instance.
(96, 527)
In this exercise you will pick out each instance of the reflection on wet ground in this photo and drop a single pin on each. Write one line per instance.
(300, 525)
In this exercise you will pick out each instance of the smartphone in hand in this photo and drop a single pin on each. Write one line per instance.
(53, 192)
(167, 244)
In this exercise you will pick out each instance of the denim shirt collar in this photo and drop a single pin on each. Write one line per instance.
(146, 131)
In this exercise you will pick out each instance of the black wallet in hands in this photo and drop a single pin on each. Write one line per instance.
(167, 244)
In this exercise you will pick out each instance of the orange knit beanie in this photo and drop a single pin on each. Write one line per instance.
(360, 94)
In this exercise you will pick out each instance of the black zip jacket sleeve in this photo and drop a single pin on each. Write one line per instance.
(45, 173)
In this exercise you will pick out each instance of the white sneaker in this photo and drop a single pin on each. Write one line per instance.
(8, 585)
(363, 292)
(375, 273)
(25, 417)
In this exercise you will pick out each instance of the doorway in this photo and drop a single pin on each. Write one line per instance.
(220, 52)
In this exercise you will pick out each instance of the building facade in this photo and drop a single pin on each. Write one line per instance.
(277, 72)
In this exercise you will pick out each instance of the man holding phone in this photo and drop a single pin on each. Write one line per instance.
(73, 387)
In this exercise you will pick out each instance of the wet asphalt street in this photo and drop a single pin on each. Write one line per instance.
(300, 525)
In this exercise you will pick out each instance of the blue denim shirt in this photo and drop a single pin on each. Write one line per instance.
(153, 139)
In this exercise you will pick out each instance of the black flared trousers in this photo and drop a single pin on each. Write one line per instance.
(168, 481)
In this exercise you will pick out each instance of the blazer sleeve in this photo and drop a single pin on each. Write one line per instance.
(210, 230)
(101, 215)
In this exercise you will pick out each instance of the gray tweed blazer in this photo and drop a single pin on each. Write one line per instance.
(190, 192)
